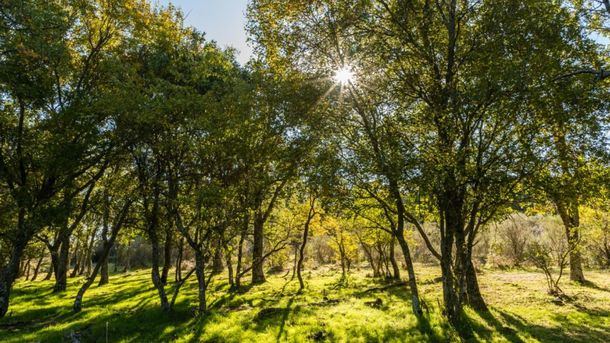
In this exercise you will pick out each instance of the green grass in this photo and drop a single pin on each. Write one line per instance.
(327, 311)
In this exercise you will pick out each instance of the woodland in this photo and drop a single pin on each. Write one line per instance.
(378, 171)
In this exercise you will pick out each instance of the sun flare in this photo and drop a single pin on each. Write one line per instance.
(344, 75)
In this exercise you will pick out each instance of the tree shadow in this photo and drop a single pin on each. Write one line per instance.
(567, 331)
(507, 332)
(591, 284)
(284, 318)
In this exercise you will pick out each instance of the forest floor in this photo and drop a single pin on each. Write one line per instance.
(362, 309)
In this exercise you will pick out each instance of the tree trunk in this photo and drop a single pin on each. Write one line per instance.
(78, 301)
(201, 281)
(258, 275)
(37, 268)
(310, 216)
(62, 264)
(395, 267)
(343, 262)
(450, 218)
(229, 264)
(415, 305)
(27, 269)
(178, 275)
(240, 251)
(369, 257)
(49, 272)
(217, 266)
(570, 216)
(156, 276)
(127, 265)
(77, 259)
(167, 256)
(86, 256)
(8, 273)
(103, 261)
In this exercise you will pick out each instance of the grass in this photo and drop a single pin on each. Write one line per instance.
(127, 310)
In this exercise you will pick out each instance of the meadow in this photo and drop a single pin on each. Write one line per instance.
(357, 309)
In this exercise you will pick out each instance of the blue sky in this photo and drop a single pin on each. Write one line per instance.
(221, 20)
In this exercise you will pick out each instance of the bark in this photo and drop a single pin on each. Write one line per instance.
(201, 281)
(27, 269)
(86, 262)
(156, 276)
(570, 216)
(103, 261)
(343, 261)
(178, 276)
(240, 251)
(258, 249)
(399, 234)
(77, 258)
(258, 275)
(217, 266)
(167, 256)
(49, 272)
(415, 302)
(395, 267)
(8, 273)
(310, 216)
(62, 263)
(229, 264)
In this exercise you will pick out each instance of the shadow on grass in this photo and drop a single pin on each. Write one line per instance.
(510, 325)
(506, 332)
(591, 284)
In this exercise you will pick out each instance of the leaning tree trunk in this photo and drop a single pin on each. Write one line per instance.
(415, 304)
(8, 273)
(156, 276)
(27, 268)
(37, 268)
(473, 293)
(78, 301)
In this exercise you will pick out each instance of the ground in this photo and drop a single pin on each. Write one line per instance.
(359, 310)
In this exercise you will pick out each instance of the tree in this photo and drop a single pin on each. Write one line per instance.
(446, 84)
(56, 127)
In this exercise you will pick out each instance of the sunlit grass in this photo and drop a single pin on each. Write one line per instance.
(329, 310)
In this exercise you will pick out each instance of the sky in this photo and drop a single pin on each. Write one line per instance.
(221, 20)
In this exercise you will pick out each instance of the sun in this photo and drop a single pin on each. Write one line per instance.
(344, 75)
